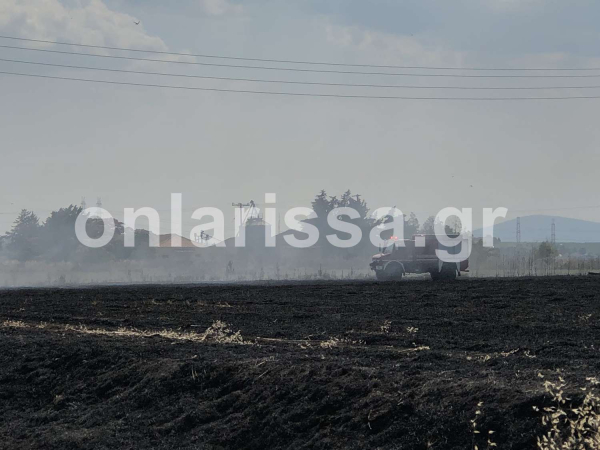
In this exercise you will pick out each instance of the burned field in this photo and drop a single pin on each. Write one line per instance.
(314, 365)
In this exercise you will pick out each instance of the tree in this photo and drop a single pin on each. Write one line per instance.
(355, 202)
(24, 237)
(546, 250)
(347, 200)
(59, 242)
(411, 226)
(333, 202)
(428, 226)
(321, 205)
(454, 227)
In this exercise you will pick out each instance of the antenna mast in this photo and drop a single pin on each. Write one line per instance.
(241, 206)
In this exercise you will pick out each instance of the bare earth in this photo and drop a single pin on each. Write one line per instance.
(315, 365)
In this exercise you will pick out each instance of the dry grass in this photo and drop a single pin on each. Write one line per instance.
(480, 438)
(219, 332)
(489, 356)
(571, 428)
(336, 342)
(14, 324)
(386, 327)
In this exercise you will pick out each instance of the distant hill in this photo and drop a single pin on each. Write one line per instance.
(538, 228)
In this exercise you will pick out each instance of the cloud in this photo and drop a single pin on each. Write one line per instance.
(390, 48)
(221, 7)
(86, 22)
(496, 29)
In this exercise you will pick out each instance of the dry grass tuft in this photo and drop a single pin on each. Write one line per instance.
(221, 333)
(14, 324)
(386, 327)
(571, 428)
(336, 342)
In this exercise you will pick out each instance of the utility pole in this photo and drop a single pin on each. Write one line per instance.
(553, 241)
(241, 206)
(518, 250)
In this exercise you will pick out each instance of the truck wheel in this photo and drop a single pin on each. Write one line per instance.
(393, 271)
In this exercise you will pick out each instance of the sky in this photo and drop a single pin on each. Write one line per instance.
(133, 146)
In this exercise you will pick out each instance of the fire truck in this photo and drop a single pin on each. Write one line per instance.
(417, 255)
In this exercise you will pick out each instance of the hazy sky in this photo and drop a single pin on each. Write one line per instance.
(133, 146)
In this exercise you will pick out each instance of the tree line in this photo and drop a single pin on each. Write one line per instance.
(323, 204)
(54, 239)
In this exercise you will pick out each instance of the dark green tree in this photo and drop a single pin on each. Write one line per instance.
(59, 242)
(321, 205)
(546, 250)
(360, 205)
(411, 226)
(428, 226)
(453, 226)
(333, 202)
(24, 237)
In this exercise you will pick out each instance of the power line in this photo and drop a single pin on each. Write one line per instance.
(295, 69)
(290, 61)
(298, 94)
(308, 83)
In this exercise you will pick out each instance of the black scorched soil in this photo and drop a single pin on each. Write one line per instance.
(315, 365)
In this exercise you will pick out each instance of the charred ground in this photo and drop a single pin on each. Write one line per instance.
(322, 365)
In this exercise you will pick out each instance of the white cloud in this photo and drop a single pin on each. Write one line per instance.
(391, 48)
(426, 50)
(220, 7)
(87, 22)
